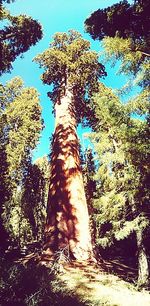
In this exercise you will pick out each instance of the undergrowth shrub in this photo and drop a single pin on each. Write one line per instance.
(32, 285)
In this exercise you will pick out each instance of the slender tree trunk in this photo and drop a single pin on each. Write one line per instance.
(143, 269)
(67, 214)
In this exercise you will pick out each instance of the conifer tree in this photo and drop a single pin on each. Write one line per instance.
(123, 29)
(122, 20)
(124, 32)
(16, 37)
(73, 71)
(34, 195)
(122, 196)
(21, 125)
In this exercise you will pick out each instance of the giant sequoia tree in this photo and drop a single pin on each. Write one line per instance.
(73, 71)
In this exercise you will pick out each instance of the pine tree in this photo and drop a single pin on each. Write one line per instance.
(20, 33)
(123, 29)
(122, 196)
(122, 20)
(21, 125)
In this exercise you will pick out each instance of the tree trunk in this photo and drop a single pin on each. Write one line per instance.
(143, 269)
(67, 224)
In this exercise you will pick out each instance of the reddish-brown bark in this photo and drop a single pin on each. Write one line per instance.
(67, 214)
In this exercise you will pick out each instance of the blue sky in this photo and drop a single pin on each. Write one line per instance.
(55, 16)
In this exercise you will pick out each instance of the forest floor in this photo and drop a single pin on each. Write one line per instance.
(26, 283)
(92, 286)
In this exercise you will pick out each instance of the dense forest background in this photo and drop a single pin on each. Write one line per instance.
(115, 167)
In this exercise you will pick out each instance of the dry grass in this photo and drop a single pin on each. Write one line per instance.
(94, 287)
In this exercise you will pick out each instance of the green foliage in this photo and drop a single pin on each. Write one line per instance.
(133, 61)
(121, 203)
(88, 171)
(69, 62)
(25, 285)
(34, 196)
(20, 128)
(140, 104)
(124, 31)
(17, 36)
(124, 20)
(33, 284)
(24, 125)
(121, 142)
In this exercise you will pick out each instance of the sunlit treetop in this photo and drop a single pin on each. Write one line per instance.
(21, 124)
(69, 62)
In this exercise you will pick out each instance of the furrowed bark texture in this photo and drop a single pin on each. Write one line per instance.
(67, 216)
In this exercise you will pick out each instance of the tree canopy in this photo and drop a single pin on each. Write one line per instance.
(121, 140)
(16, 37)
(122, 176)
(21, 123)
(70, 59)
(123, 20)
(124, 31)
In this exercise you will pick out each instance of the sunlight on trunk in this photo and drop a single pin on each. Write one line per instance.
(67, 214)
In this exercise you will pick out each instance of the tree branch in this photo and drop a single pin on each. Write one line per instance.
(7, 36)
